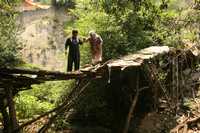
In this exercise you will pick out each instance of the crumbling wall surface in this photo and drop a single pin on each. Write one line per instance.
(43, 37)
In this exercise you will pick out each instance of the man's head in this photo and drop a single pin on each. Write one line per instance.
(74, 33)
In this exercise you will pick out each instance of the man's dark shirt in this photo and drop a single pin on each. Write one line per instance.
(73, 44)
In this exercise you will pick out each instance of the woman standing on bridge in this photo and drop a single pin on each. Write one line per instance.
(96, 42)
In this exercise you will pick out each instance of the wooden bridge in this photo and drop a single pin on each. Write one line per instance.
(13, 80)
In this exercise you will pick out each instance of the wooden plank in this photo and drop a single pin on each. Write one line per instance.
(16, 81)
(41, 75)
(139, 57)
(37, 72)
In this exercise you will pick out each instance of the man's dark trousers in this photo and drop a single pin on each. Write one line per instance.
(73, 60)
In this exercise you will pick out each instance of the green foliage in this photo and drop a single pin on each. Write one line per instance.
(127, 26)
(177, 26)
(45, 1)
(40, 98)
(60, 3)
(91, 18)
(28, 66)
(27, 106)
(8, 32)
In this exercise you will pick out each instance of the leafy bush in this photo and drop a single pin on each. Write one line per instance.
(27, 106)
(40, 98)
(124, 26)
(127, 26)
(8, 31)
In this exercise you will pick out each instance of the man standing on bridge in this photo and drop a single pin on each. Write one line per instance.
(74, 53)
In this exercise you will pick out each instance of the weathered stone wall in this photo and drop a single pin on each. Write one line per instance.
(43, 37)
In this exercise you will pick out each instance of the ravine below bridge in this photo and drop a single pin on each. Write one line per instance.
(138, 67)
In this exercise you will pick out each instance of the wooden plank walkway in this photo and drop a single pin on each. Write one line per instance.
(139, 57)
(18, 78)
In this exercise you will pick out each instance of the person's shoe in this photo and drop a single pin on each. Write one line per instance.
(77, 71)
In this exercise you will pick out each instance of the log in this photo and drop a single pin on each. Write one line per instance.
(43, 74)
(20, 78)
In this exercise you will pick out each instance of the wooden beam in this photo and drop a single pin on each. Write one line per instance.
(37, 72)
(43, 74)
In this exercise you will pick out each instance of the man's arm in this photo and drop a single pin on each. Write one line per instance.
(80, 41)
(84, 40)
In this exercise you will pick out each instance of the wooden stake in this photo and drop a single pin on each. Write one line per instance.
(6, 119)
(12, 111)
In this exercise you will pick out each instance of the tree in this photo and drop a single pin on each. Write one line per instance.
(125, 26)
(8, 32)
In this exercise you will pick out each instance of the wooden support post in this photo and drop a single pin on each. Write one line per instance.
(6, 118)
(12, 111)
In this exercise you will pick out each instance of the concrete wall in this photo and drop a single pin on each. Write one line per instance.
(31, 15)
(42, 35)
